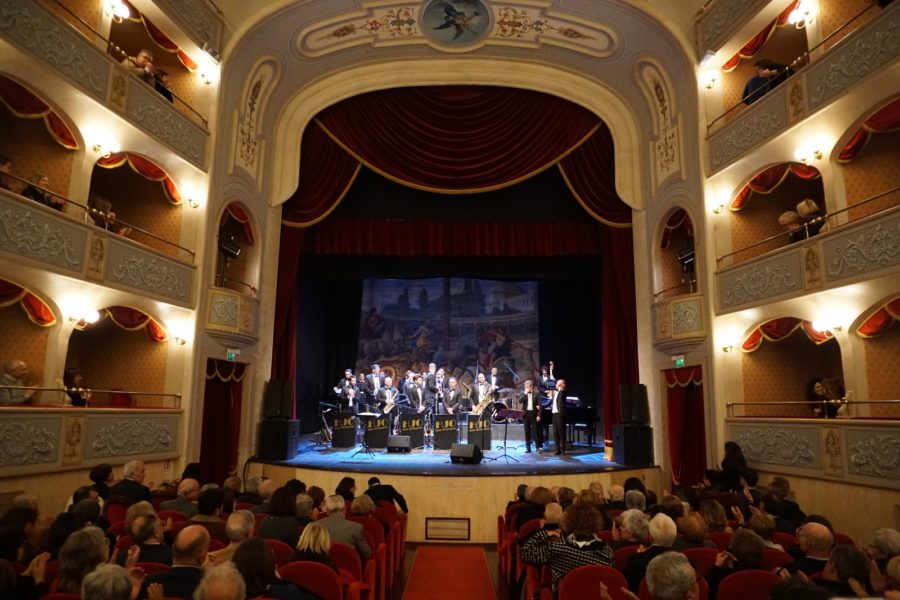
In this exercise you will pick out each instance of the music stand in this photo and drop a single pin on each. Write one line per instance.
(506, 414)
(365, 416)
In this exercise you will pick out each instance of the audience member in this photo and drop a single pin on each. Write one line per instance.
(209, 507)
(692, 528)
(635, 499)
(714, 514)
(37, 191)
(553, 515)
(565, 496)
(188, 556)
(162, 84)
(304, 506)
(380, 492)
(62, 527)
(31, 584)
(255, 561)
(341, 530)
(746, 552)
(239, 527)
(88, 512)
(148, 534)
(221, 582)
(6, 182)
(884, 546)
(769, 74)
(266, 489)
(82, 552)
(107, 582)
(12, 384)
(104, 217)
(281, 524)
(616, 498)
(782, 488)
(73, 380)
(815, 544)
(296, 486)
(101, 475)
(846, 571)
(251, 492)
(635, 483)
(763, 525)
(186, 502)
(662, 532)
(521, 490)
(314, 545)
(134, 511)
(670, 576)
(346, 488)
(132, 486)
(631, 530)
(811, 217)
(671, 505)
(790, 222)
(21, 523)
(796, 588)
(537, 500)
(733, 464)
(141, 66)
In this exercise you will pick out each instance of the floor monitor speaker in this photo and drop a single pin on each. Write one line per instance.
(465, 454)
(398, 443)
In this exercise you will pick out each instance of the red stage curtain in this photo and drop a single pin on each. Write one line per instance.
(132, 319)
(885, 120)
(35, 308)
(161, 39)
(144, 167)
(221, 420)
(779, 329)
(881, 319)
(676, 220)
(237, 212)
(26, 105)
(768, 180)
(751, 48)
(686, 425)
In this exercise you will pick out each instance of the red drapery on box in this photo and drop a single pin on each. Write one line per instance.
(751, 48)
(885, 120)
(676, 220)
(23, 103)
(881, 319)
(144, 167)
(161, 39)
(686, 424)
(779, 329)
(222, 402)
(462, 139)
(132, 319)
(36, 309)
(768, 180)
(236, 211)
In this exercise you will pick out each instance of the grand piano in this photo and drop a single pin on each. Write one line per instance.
(581, 416)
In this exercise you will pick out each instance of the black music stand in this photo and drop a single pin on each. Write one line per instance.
(506, 414)
(364, 417)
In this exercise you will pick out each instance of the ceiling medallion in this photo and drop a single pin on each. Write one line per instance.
(456, 22)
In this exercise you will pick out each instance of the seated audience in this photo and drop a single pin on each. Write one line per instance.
(222, 582)
(553, 515)
(521, 490)
(104, 217)
(162, 84)
(255, 561)
(82, 553)
(884, 546)
(314, 545)
(565, 496)
(763, 525)
(37, 191)
(73, 379)
(632, 528)
(266, 489)
(188, 556)
(296, 486)
(815, 544)
(692, 529)
(769, 74)
(62, 527)
(12, 381)
(102, 476)
(346, 488)
(380, 492)
(713, 513)
(662, 531)
(746, 552)
(132, 485)
(635, 499)
(670, 576)
(107, 582)
(31, 584)
(251, 492)
(363, 506)
(790, 222)
(575, 545)
(239, 527)
(616, 498)
(148, 534)
(811, 216)
(795, 588)
(304, 506)
(6, 169)
(672, 506)
(21, 523)
(186, 502)
(89, 512)
(537, 499)
(846, 571)
(341, 530)
(281, 523)
(781, 487)
(209, 507)
(134, 511)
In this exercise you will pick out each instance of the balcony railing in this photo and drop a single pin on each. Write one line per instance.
(98, 398)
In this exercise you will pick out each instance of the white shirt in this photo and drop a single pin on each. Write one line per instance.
(555, 408)
(529, 405)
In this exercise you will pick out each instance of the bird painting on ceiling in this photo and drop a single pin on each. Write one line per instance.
(457, 19)
(456, 22)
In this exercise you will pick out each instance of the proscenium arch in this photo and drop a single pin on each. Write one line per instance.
(308, 101)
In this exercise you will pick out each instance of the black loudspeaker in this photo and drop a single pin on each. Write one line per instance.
(398, 443)
(279, 439)
(633, 445)
(633, 403)
(277, 399)
(465, 454)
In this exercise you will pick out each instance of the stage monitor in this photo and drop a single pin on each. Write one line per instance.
(465, 454)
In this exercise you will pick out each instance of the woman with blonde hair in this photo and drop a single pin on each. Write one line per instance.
(315, 546)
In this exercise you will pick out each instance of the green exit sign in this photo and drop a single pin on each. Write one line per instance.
(231, 354)
(679, 361)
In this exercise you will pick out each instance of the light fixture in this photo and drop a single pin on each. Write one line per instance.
(708, 78)
(803, 15)
(826, 326)
(179, 340)
(718, 209)
(727, 349)
(205, 78)
(84, 316)
(806, 154)
(106, 148)
(117, 10)
(193, 203)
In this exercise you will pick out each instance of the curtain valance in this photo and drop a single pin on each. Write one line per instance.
(23, 103)
(36, 309)
(881, 319)
(780, 329)
(767, 181)
(885, 120)
(756, 43)
(145, 168)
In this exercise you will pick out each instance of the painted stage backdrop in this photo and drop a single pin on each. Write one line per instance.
(465, 326)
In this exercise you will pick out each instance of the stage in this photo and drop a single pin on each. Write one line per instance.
(454, 502)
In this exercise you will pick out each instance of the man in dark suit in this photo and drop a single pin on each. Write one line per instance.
(374, 383)
(188, 555)
(387, 396)
(186, 502)
(558, 410)
(662, 533)
(453, 397)
(530, 402)
(378, 492)
(132, 486)
(343, 530)
(415, 392)
(209, 507)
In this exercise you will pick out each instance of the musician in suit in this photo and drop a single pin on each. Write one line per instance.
(434, 383)
(558, 410)
(350, 396)
(374, 383)
(386, 399)
(415, 393)
(495, 379)
(531, 404)
(453, 397)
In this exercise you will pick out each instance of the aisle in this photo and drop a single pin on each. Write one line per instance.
(450, 572)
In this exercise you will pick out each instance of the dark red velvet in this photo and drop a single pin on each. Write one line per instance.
(686, 425)
(221, 420)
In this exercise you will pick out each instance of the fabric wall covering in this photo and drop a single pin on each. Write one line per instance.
(686, 424)
(885, 120)
(161, 39)
(23, 103)
(145, 168)
(881, 319)
(768, 180)
(131, 319)
(236, 211)
(756, 43)
(36, 309)
(779, 329)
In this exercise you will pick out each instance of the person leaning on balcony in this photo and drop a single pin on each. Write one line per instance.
(790, 221)
(5, 169)
(36, 190)
(811, 216)
(141, 66)
(103, 216)
(162, 85)
(14, 372)
(768, 75)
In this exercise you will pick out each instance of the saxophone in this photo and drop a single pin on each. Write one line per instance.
(483, 402)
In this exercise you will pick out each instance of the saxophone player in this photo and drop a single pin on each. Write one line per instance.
(386, 400)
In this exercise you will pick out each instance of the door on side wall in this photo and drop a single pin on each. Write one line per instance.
(221, 420)
(686, 424)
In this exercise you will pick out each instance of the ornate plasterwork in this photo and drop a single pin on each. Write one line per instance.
(515, 24)
(73, 440)
(686, 316)
(96, 257)
(32, 235)
(132, 436)
(31, 26)
(148, 274)
(778, 446)
(223, 309)
(761, 281)
(871, 249)
(749, 129)
(665, 142)
(877, 455)
(248, 142)
(863, 53)
(150, 111)
(200, 20)
(23, 443)
(833, 453)
(714, 26)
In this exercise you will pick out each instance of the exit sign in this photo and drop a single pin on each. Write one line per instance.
(231, 354)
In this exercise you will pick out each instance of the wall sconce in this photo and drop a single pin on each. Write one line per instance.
(823, 326)
(107, 148)
(179, 340)
(193, 203)
(807, 154)
(117, 10)
(803, 15)
(708, 78)
(718, 209)
(84, 317)
(205, 78)
(727, 349)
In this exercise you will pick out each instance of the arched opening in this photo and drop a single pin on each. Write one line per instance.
(881, 343)
(677, 267)
(766, 212)
(781, 358)
(125, 354)
(140, 202)
(234, 259)
(27, 319)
